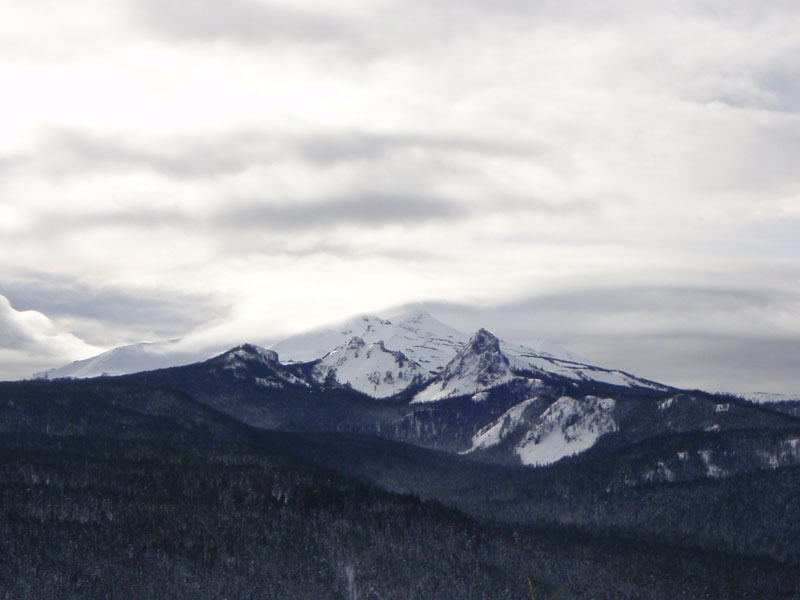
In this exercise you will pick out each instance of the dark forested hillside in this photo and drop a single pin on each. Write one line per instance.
(126, 488)
(133, 520)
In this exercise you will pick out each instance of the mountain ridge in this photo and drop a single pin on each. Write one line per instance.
(416, 334)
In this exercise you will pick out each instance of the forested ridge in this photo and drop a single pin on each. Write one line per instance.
(112, 489)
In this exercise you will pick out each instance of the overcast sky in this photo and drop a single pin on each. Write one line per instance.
(619, 177)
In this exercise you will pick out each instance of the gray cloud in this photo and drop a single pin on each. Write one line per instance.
(74, 152)
(9, 163)
(780, 79)
(654, 310)
(68, 152)
(241, 20)
(394, 182)
(716, 338)
(348, 145)
(361, 209)
(367, 209)
(320, 245)
(100, 313)
(716, 363)
(409, 26)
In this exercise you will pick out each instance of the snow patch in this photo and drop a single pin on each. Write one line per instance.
(665, 404)
(568, 427)
(267, 383)
(496, 432)
(712, 470)
(767, 397)
(661, 473)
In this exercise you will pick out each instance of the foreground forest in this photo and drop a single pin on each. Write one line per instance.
(106, 519)
(114, 489)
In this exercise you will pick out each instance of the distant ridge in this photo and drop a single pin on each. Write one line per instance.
(379, 357)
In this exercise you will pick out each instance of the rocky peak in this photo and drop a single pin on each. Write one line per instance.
(481, 358)
(354, 343)
(483, 341)
(250, 352)
(480, 365)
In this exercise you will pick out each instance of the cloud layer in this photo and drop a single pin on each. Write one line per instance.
(261, 166)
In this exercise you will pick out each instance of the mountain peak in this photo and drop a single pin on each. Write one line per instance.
(483, 341)
(479, 365)
(418, 335)
(250, 352)
(483, 347)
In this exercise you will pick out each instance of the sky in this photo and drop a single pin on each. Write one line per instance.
(620, 178)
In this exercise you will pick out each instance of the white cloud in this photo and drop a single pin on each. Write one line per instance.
(30, 341)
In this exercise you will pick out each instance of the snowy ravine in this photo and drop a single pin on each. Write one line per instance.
(567, 427)
(371, 369)
(507, 424)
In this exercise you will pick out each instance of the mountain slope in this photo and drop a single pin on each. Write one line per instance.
(486, 362)
(134, 358)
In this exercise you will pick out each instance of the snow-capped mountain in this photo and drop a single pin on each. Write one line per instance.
(492, 400)
(411, 347)
(134, 358)
(419, 336)
(371, 369)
